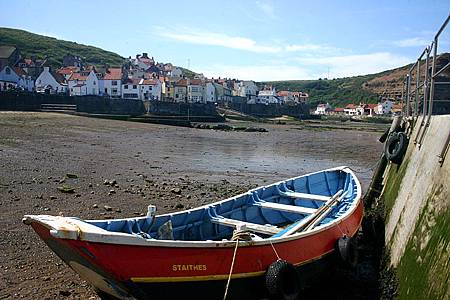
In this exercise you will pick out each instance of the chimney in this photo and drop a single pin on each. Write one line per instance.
(144, 55)
(47, 69)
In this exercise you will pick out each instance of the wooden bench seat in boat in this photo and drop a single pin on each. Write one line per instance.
(304, 196)
(286, 207)
(264, 229)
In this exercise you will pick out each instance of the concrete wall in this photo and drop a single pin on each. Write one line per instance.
(417, 202)
(88, 104)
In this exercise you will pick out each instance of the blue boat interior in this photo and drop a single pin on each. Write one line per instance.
(276, 207)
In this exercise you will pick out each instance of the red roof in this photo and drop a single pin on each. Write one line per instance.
(339, 109)
(67, 70)
(77, 76)
(195, 82)
(181, 82)
(113, 74)
(149, 82)
(372, 106)
(20, 71)
(350, 106)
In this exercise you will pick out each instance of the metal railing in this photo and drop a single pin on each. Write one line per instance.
(420, 85)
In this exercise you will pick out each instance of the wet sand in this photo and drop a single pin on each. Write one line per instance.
(172, 167)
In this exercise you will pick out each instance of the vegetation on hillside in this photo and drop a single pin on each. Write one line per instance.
(337, 92)
(42, 46)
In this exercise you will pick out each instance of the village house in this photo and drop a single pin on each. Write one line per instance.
(150, 89)
(66, 72)
(266, 96)
(350, 110)
(195, 91)
(210, 93)
(32, 66)
(292, 98)
(130, 88)
(9, 56)
(180, 91)
(323, 109)
(83, 83)
(111, 83)
(247, 88)
(366, 109)
(15, 78)
(385, 107)
(51, 82)
(223, 93)
(338, 111)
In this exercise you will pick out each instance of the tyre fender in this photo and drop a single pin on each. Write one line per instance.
(347, 250)
(395, 147)
(282, 281)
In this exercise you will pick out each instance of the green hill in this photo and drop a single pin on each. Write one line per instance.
(42, 46)
(336, 92)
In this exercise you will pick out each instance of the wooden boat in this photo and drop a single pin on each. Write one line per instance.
(255, 240)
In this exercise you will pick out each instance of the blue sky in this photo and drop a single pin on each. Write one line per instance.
(259, 40)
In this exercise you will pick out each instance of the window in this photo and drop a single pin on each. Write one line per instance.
(125, 86)
(114, 91)
(134, 86)
(114, 82)
(106, 91)
(94, 82)
(8, 71)
(150, 88)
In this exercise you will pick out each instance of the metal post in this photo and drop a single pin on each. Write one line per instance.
(433, 71)
(416, 106)
(425, 84)
(408, 90)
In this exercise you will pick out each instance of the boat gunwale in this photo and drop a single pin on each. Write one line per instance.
(120, 238)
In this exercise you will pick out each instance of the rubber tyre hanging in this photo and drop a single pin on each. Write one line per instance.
(347, 249)
(282, 281)
(396, 146)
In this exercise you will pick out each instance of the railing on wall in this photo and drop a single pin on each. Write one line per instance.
(419, 89)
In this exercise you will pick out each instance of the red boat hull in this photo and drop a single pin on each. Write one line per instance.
(141, 271)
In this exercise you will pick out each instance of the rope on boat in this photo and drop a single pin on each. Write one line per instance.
(276, 253)
(238, 235)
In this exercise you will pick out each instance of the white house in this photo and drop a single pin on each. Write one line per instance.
(247, 88)
(195, 91)
(15, 78)
(83, 83)
(130, 88)
(289, 97)
(323, 109)
(111, 83)
(385, 107)
(267, 96)
(210, 93)
(176, 72)
(350, 110)
(53, 83)
(150, 89)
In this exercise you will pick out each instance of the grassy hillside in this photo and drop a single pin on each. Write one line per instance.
(366, 88)
(34, 44)
(336, 92)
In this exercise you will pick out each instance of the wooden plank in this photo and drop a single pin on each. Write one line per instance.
(286, 207)
(311, 218)
(305, 196)
(265, 229)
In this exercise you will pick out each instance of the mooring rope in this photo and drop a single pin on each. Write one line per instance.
(276, 253)
(238, 235)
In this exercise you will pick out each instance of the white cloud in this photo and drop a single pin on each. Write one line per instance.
(312, 48)
(257, 72)
(266, 8)
(412, 42)
(352, 65)
(202, 37)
